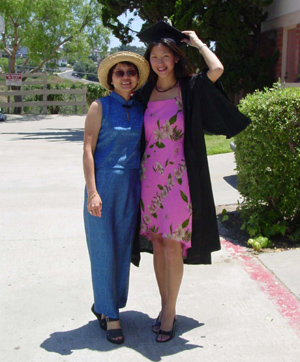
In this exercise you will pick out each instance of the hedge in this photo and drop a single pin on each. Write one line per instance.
(94, 91)
(268, 163)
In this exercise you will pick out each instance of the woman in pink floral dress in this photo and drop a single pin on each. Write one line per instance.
(166, 210)
(165, 203)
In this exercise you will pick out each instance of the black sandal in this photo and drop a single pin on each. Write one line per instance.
(113, 334)
(102, 321)
(170, 334)
(156, 325)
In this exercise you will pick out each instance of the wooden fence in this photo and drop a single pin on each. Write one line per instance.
(41, 80)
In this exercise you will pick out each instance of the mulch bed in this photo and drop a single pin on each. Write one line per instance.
(231, 230)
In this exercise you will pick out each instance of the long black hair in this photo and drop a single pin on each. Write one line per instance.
(182, 68)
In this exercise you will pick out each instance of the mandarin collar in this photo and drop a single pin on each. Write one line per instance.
(121, 99)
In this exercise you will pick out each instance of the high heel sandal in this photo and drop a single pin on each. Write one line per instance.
(156, 325)
(102, 321)
(113, 334)
(170, 333)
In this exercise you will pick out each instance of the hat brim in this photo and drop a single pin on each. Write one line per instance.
(162, 30)
(120, 57)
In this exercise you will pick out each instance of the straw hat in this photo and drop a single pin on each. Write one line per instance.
(119, 57)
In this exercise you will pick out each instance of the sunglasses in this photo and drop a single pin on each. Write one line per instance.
(129, 73)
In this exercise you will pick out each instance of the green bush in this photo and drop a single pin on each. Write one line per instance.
(94, 91)
(268, 163)
(92, 73)
(50, 97)
(86, 68)
(56, 97)
(4, 64)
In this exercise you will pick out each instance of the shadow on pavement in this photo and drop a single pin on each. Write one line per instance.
(138, 336)
(231, 180)
(21, 118)
(53, 135)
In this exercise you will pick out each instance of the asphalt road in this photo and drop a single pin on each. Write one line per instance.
(68, 75)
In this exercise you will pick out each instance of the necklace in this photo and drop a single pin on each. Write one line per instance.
(165, 90)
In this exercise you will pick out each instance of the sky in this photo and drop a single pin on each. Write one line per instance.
(136, 25)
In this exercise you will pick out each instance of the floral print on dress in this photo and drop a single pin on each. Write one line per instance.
(166, 207)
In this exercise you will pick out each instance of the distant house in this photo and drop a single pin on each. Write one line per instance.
(281, 32)
(22, 52)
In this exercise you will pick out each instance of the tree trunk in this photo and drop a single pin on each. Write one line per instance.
(17, 110)
(12, 69)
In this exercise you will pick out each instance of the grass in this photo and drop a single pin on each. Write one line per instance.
(54, 79)
(217, 144)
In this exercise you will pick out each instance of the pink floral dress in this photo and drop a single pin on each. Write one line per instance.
(165, 201)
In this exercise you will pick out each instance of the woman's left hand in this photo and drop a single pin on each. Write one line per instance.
(215, 67)
(194, 41)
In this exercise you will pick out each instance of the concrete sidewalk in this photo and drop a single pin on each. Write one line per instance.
(235, 310)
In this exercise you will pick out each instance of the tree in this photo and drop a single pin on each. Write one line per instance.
(86, 68)
(128, 48)
(43, 27)
(232, 28)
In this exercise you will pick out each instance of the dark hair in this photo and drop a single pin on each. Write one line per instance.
(110, 73)
(182, 67)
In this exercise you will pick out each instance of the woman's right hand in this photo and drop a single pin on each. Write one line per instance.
(94, 206)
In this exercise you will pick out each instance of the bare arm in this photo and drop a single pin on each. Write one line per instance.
(91, 131)
(215, 66)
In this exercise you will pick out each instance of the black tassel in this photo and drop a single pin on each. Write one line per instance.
(126, 106)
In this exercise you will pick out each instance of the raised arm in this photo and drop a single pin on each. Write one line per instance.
(215, 66)
(91, 131)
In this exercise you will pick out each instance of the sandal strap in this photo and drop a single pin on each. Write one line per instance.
(102, 321)
(165, 333)
(156, 323)
(114, 333)
(108, 319)
(98, 315)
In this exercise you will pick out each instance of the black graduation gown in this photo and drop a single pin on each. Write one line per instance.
(206, 108)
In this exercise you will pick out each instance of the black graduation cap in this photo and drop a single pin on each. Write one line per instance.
(161, 30)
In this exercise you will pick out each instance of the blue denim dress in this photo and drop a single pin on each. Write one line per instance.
(117, 173)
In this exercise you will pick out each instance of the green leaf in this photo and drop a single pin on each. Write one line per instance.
(225, 218)
(160, 187)
(142, 205)
(180, 181)
(173, 119)
(154, 215)
(185, 223)
(160, 145)
(184, 197)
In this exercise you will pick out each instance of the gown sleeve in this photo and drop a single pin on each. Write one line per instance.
(219, 115)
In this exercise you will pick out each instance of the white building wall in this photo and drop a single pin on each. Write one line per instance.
(282, 13)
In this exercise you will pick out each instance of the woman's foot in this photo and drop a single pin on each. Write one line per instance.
(157, 324)
(166, 336)
(114, 332)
